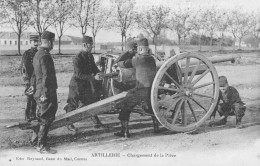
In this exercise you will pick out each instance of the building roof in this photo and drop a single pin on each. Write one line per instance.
(13, 35)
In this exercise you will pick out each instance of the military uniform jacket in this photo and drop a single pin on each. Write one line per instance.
(231, 96)
(145, 68)
(45, 75)
(27, 63)
(84, 70)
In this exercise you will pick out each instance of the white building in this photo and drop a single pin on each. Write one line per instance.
(10, 38)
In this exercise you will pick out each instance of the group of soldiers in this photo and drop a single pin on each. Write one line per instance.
(41, 85)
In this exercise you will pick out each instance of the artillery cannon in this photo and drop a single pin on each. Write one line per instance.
(184, 92)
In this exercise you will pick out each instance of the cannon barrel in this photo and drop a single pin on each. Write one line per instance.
(214, 59)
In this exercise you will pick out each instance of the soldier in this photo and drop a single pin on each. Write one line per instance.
(145, 67)
(229, 103)
(45, 95)
(27, 72)
(129, 54)
(82, 88)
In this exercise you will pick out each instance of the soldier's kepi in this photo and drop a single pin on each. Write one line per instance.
(82, 88)
(45, 95)
(27, 74)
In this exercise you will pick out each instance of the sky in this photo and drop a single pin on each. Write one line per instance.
(112, 36)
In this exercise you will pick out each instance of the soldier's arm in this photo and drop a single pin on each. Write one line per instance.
(95, 68)
(129, 63)
(234, 96)
(123, 57)
(45, 61)
(78, 70)
(24, 67)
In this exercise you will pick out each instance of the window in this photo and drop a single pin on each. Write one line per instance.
(10, 42)
(26, 42)
(5, 42)
(15, 42)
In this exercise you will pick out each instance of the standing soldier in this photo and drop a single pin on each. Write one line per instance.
(45, 95)
(229, 103)
(145, 67)
(82, 88)
(27, 72)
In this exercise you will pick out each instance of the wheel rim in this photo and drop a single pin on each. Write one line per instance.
(184, 101)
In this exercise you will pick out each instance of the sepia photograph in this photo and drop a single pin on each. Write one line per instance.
(130, 82)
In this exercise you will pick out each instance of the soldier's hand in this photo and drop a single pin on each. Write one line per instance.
(98, 76)
(29, 91)
(43, 98)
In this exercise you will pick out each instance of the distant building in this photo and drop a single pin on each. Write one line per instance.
(10, 38)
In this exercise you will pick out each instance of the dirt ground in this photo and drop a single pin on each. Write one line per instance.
(224, 145)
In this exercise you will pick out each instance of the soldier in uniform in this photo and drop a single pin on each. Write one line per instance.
(45, 95)
(27, 73)
(145, 67)
(82, 90)
(229, 103)
(129, 54)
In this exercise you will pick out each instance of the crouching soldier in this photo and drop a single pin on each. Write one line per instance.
(145, 67)
(27, 72)
(82, 90)
(229, 103)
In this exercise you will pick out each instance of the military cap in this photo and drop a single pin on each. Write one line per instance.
(132, 45)
(143, 42)
(222, 81)
(34, 37)
(48, 35)
(87, 39)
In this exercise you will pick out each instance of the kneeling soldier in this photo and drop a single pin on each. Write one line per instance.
(231, 104)
(145, 67)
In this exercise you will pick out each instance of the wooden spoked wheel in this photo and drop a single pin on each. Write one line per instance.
(185, 92)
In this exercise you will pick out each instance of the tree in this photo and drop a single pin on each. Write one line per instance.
(99, 19)
(18, 16)
(82, 13)
(197, 25)
(61, 18)
(42, 12)
(239, 25)
(211, 18)
(179, 22)
(153, 21)
(222, 24)
(123, 17)
(254, 29)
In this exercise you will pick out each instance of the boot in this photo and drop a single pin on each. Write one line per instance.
(124, 130)
(221, 121)
(238, 123)
(121, 132)
(126, 133)
(46, 150)
(155, 124)
(97, 123)
(71, 127)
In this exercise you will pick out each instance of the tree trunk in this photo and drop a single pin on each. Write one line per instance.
(59, 44)
(125, 42)
(19, 42)
(122, 35)
(211, 40)
(154, 42)
(239, 46)
(94, 43)
(234, 44)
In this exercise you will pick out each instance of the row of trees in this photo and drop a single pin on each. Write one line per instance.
(123, 16)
